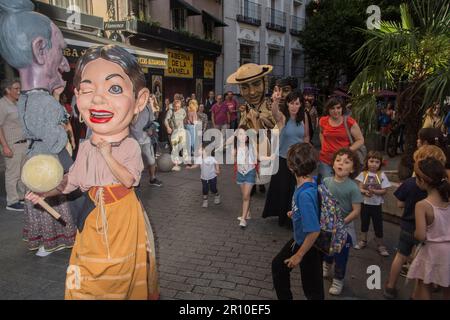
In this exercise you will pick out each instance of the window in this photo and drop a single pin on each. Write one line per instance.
(179, 19)
(208, 27)
(298, 69)
(248, 54)
(84, 5)
(142, 10)
(276, 59)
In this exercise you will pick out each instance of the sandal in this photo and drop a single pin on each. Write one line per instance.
(383, 251)
(361, 244)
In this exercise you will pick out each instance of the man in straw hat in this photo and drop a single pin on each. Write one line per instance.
(257, 113)
(250, 78)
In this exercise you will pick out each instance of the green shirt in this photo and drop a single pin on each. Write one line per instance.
(346, 193)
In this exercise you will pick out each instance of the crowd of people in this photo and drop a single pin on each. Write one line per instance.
(358, 187)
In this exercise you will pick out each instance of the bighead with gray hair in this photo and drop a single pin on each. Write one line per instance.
(19, 26)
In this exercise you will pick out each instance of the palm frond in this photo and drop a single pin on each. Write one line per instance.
(407, 20)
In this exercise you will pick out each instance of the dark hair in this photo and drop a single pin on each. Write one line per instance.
(245, 128)
(331, 103)
(373, 155)
(405, 167)
(288, 81)
(432, 136)
(433, 173)
(302, 159)
(7, 84)
(117, 55)
(291, 97)
(352, 156)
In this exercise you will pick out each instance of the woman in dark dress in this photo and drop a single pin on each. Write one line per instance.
(293, 125)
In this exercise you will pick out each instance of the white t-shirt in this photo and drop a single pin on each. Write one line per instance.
(380, 182)
(246, 160)
(208, 168)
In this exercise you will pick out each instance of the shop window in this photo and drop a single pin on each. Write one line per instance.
(84, 5)
(179, 19)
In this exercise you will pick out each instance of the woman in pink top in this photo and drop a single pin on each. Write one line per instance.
(333, 135)
(432, 263)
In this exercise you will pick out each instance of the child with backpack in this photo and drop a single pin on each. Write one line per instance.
(299, 251)
(348, 196)
(373, 184)
(431, 266)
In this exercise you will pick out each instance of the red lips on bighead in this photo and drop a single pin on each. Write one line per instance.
(100, 116)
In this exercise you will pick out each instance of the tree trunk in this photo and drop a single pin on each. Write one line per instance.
(410, 113)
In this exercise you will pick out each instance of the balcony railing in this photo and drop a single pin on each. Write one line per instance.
(250, 13)
(276, 20)
(297, 25)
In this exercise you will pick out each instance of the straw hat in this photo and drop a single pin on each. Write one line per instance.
(249, 72)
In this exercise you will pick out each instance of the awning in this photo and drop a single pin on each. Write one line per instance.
(191, 10)
(146, 58)
(217, 22)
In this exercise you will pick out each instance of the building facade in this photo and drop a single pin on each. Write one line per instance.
(265, 32)
(177, 42)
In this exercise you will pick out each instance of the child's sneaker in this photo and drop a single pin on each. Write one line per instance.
(217, 199)
(361, 245)
(383, 251)
(326, 270)
(243, 224)
(390, 293)
(176, 168)
(336, 287)
(205, 203)
(42, 252)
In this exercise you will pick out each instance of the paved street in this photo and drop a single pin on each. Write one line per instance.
(202, 253)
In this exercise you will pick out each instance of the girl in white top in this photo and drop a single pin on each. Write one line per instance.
(209, 170)
(373, 184)
(246, 167)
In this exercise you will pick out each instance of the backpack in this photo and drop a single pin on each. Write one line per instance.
(333, 234)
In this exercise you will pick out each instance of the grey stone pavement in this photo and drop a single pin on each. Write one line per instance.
(202, 253)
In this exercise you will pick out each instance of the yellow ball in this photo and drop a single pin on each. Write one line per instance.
(42, 173)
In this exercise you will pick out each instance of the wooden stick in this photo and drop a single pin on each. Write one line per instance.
(52, 211)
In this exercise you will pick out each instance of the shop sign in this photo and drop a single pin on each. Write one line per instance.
(208, 69)
(115, 25)
(150, 62)
(74, 53)
(180, 64)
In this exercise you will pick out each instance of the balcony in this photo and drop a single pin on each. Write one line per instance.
(179, 38)
(276, 20)
(297, 25)
(250, 13)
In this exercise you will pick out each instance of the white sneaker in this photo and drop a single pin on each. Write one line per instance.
(176, 168)
(243, 224)
(217, 199)
(326, 269)
(336, 287)
(42, 252)
(205, 203)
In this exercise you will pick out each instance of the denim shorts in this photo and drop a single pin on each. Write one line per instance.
(249, 178)
(406, 243)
